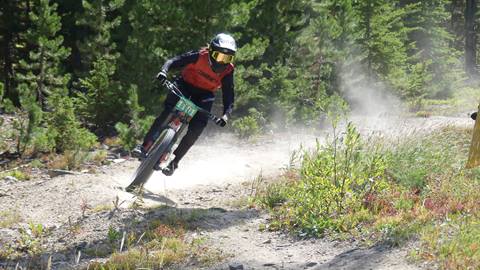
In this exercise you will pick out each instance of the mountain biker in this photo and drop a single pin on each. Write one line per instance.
(204, 71)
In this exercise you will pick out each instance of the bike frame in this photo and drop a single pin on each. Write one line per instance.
(181, 115)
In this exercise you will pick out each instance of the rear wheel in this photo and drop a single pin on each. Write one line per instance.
(145, 170)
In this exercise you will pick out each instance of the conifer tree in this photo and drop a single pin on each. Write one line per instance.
(104, 102)
(14, 23)
(28, 124)
(384, 41)
(433, 47)
(40, 76)
(43, 86)
(98, 19)
(42, 72)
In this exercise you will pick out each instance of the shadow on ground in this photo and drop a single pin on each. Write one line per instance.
(88, 236)
(360, 258)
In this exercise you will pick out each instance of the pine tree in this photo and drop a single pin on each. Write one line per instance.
(104, 102)
(42, 72)
(159, 30)
(457, 24)
(14, 22)
(28, 121)
(433, 47)
(384, 41)
(43, 85)
(98, 19)
(40, 76)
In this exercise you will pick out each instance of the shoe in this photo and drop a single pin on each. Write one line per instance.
(131, 189)
(139, 152)
(474, 116)
(170, 169)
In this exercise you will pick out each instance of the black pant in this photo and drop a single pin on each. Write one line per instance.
(201, 98)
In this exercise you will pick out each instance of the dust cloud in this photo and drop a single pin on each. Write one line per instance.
(221, 158)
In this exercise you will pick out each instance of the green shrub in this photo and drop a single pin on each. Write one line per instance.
(8, 106)
(43, 141)
(334, 181)
(65, 128)
(130, 134)
(250, 125)
(274, 195)
(17, 174)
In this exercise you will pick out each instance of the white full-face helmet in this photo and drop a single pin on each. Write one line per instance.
(221, 51)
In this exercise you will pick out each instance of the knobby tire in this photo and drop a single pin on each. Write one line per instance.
(145, 170)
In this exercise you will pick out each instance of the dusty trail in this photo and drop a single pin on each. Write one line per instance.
(213, 176)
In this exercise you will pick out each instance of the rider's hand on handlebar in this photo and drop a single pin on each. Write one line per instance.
(222, 121)
(162, 76)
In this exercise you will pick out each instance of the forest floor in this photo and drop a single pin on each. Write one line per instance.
(70, 220)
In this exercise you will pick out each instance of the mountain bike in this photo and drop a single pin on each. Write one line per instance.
(176, 122)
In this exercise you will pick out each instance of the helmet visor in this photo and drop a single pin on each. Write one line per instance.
(222, 57)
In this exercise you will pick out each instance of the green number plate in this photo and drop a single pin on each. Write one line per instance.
(186, 106)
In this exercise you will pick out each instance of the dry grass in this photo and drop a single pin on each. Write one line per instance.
(9, 218)
(162, 245)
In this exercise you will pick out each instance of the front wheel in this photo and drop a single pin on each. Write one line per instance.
(145, 170)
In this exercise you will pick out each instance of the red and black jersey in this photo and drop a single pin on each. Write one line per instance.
(198, 73)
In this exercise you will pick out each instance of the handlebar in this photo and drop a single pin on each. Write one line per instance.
(172, 87)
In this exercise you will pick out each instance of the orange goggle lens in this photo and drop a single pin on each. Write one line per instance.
(222, 57)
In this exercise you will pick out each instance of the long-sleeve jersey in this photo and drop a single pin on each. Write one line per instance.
(181, 61)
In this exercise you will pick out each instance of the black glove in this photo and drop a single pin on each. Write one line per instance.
(162, 76)
(474, 116)
(222, 121)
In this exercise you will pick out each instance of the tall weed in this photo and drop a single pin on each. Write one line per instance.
(334, 181)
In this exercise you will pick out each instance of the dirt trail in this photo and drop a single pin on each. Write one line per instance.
(213, 178)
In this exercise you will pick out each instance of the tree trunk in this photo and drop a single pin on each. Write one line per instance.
(470, 37)
(474, 155)
(457, 24)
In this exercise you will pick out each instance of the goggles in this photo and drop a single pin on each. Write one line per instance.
(222, 58)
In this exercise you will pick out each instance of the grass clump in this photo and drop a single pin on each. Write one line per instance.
(17, 174)
(160, 246)
(455, 243)
(9, 218)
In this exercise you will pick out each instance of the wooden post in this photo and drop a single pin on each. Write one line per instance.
(474, 155)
